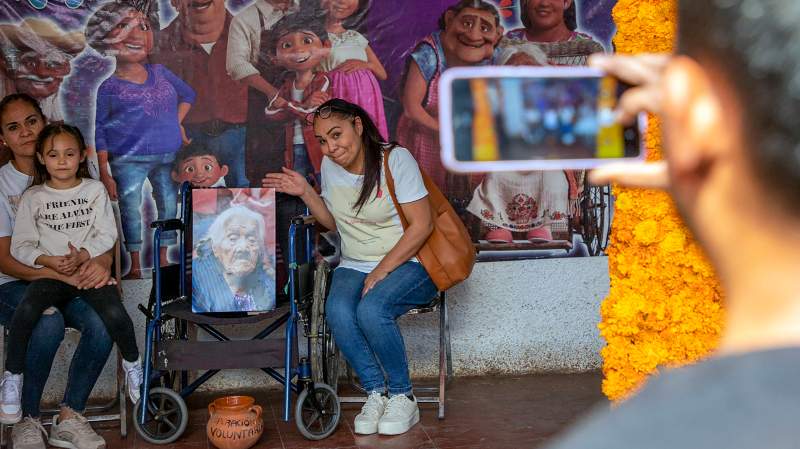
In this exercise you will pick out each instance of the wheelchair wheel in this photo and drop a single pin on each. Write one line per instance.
(317, 414)
(166, 417)
(595, 214)
(324, 353)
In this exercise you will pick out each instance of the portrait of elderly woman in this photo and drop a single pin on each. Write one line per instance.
(231, 264)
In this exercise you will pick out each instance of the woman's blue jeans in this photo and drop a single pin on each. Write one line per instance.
(129, 172)
(88, 360)
(366, 328)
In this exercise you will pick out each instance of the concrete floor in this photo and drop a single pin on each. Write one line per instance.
(482, 413)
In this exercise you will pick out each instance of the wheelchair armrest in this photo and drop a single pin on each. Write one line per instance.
(304, 220)
(173, 224)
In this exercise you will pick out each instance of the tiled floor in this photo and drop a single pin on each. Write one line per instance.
(482, 413)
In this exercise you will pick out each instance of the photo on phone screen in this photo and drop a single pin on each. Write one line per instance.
(533, 118)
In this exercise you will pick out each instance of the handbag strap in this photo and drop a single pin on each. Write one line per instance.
(390, 185)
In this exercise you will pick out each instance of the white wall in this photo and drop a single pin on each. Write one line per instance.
(508, 318)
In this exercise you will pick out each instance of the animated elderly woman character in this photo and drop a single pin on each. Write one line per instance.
(139, 112)
(352, 66)
(228, 272)
(469, 34)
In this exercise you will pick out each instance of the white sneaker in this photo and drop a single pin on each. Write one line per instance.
(400, 415)
(28, 434)
(133, 378)
(366, 422)
(10, 395)
(75, 433)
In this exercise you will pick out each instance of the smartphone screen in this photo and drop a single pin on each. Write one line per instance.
(533, 118)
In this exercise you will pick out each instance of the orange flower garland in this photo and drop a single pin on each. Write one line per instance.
(664, 307)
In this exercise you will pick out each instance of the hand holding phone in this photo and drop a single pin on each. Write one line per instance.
(534, 118)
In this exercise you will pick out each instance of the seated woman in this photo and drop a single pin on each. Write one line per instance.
(379, 278)
(21, 121)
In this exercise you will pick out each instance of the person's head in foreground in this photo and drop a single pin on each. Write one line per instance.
(729, 101)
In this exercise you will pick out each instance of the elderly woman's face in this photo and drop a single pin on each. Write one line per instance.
(546, 14)
(238, 251)
(131, 40)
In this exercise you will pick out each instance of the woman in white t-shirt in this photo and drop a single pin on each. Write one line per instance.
(379, 278)
(21, 121)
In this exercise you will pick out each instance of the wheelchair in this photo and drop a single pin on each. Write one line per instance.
(161, 415)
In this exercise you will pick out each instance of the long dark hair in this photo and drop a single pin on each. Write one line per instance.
(570, 15)
(11, 98)
(49, 132)
(373, 144)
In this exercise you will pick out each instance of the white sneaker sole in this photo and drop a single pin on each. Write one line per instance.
(397, 428)
(10, 419)
(66, 444)
(365, 428)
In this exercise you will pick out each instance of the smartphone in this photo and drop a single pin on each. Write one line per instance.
(533, 118)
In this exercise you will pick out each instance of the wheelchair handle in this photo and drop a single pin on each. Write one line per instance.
(172, 224)
(304, 220)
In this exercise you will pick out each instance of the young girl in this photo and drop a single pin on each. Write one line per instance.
(138, 130)
(64, 219)
(354, 68)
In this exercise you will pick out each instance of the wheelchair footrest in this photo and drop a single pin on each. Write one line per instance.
(235, 354)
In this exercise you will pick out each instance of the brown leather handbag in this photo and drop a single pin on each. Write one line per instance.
(448, 255)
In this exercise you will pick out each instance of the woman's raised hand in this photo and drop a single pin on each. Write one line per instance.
(289, 182)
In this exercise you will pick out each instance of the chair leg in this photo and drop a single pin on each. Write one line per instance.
(123, 403)
(443, 355)
(447, 345)
(3, 427)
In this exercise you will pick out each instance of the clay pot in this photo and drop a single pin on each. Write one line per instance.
(234, 422)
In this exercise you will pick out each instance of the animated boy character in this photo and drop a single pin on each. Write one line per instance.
(299, 44)
(198, 165)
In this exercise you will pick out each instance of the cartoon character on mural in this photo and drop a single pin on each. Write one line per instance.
(199, 165)
(138, 118)
(352, 66)
(538, 203)
(469, 32)
(248, 62)
(194, 47)
(37, 54)
(299, 44)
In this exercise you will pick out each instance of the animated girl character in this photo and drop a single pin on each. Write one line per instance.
(352, 66)
(139, 112)
(534, 203)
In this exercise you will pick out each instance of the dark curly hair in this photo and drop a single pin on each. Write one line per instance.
(308, 18)
(106, 17)
(757, 54)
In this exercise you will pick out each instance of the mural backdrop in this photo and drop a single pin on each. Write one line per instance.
(143, 78)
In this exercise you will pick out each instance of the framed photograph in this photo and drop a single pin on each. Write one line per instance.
(233, 250)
